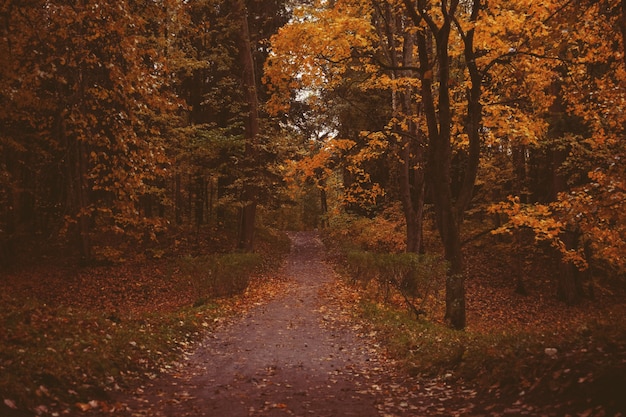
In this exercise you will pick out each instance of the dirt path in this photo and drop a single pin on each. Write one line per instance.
(292, 357)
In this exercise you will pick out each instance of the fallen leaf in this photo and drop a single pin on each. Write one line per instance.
(83, 406)
(10, 404)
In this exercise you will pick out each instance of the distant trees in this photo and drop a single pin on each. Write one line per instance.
(575, 183)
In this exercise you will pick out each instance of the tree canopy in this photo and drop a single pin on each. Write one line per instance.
(513, 108)
(119, 119)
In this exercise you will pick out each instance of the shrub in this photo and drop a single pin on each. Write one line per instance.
(383, 233)
(220, 275)
(416, 277)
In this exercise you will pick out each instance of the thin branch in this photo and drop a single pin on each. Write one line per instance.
(409, 303)
(476, 236)
(410, 8)
(557, 11)
(323, 57)
(505, 102)
(405, 134)
(387, 66)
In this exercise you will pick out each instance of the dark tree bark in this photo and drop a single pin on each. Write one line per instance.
(410, 146)
(569, 283)
(411, 183)
(250, 193)
(211, 197)
(199, 191)
(518, 156)
(622, 25)
(324, 207)
(412, 179)
(449, 208)
(178, 199)
(321, 185)
(473, 118)
(82, 191)
(76, 168)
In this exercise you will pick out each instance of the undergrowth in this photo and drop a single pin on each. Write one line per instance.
(585, 369)
(219, 275)
(414, 278)
(56, 357)
(577, 368)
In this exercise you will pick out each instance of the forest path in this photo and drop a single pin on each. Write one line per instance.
(296, 355)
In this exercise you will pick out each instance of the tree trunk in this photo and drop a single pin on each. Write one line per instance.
(412, 177)
(178, 199)
(246, 231)
(324, 207)
(321, 184)
(76, 171)
(8, 228)
(473, 119)
(569, 285)
(622, 25)
(455, 280)
(211, 193)
(199, 187)
(411, 182)
(410, 147)
(439, 120)
(250, 193)
(81, 199)
(518, 156)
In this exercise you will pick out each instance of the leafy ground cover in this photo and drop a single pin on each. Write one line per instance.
(523, 352)
(70, 335)
(574, 373)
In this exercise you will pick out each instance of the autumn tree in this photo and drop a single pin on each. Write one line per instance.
(580, 216)
(91, 84)
(228, 145)
(251, 126)
(398, 66)
(463, 77)
(206, 78)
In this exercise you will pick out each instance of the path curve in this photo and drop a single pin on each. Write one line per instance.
(291, 357)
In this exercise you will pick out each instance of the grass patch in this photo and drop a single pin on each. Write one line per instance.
(219, 275)
(423, 347)
(55, 356)
(412, 274)
(61, 356)
(584, 369)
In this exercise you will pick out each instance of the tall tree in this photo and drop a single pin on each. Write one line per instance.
(404, 133)
(438, 112)
(582, 217)
(251, 124)
(442, 63)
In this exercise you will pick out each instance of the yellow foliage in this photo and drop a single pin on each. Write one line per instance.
(314, 51)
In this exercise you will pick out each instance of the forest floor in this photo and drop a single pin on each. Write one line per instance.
(298, 354)
(294, 347)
